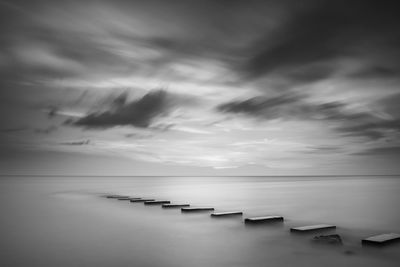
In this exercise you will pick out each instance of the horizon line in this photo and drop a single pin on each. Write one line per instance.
(313, 175)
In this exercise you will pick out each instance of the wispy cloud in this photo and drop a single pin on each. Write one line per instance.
(276, 84)
(76, 143)
(139, 113)
(297, 107)
(381, 151)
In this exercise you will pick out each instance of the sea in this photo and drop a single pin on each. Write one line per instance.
(62, 221)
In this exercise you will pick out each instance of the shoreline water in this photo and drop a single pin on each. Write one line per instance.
(70, 214)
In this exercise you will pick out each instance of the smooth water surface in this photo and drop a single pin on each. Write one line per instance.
(65, 221)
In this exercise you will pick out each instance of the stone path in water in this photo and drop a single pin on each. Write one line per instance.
(377, 240)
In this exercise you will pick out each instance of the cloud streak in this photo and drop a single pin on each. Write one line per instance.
(139, 113)
(298, 107)
(76, 143)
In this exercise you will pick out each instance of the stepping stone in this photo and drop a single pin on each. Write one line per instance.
(226, 214)
(141, 200)
(135, 198)
(170, 206)
(115, 196)
(157, 202)
(380, 240)
(198, 209)
(311, 228)
(264, 219)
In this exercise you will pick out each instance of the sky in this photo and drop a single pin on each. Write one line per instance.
(206, 87)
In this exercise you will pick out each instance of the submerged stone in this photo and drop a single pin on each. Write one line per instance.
(115, 196)
(328, 239)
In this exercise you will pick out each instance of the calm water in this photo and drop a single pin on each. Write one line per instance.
(64, 221)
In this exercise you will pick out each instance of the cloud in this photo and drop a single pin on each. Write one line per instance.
(286, 106)
(262, 106)
(52, 111)
(138, 136)
(102, 41)
(378, 127)
(374, 129)
(326, 63)
(379, 121)
(76, 143)
(290, 106)
(311, 39)
(373, 72)
(138, 113)
(324, 149)
(381, 151)
(47, 130)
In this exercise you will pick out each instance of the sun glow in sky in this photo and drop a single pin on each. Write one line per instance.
(199, 87)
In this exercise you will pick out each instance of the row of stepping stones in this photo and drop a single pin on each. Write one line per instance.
(377, 240)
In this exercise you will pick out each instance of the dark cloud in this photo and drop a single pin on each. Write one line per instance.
(294, 46)
(378, 127)
(289, 106)
(120, 100)
(296, 107)
(138, 113)
(381, 151)
(373, 129)
(52, 111)
(298, 43)
(372, 72)
(322, 32)
(264, 107)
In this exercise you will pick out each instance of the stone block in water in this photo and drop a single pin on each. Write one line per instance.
(380, 240)
(264, 219)
(170, 206)
(226, 214)
(312, 228)
(197, 209)
(157, 202)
